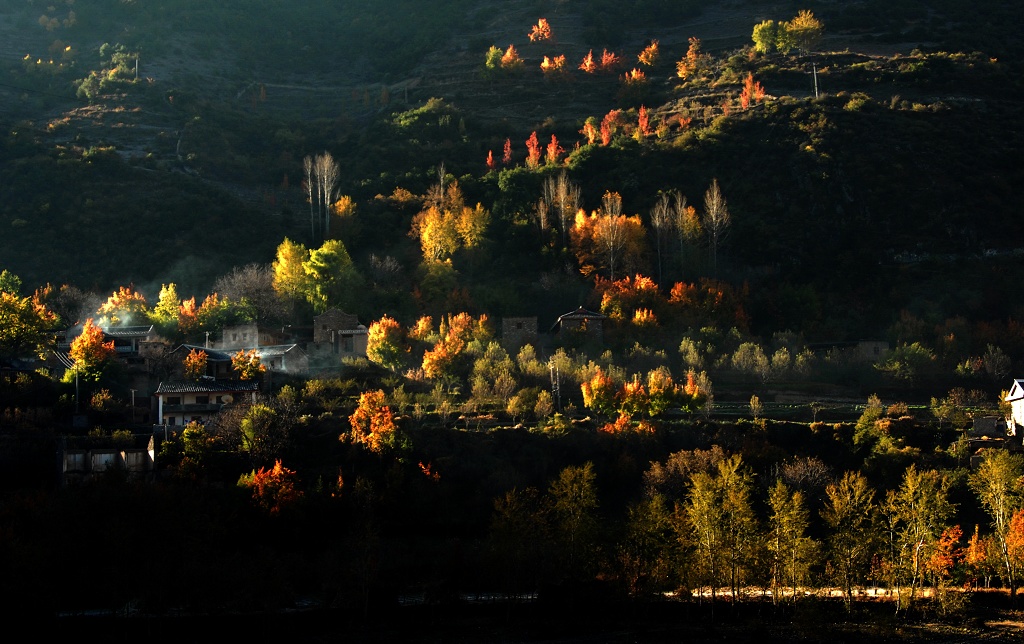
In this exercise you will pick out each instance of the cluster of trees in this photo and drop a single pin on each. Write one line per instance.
(803, 32)
(706, 526)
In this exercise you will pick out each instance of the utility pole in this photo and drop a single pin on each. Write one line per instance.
(814, 69)
(133, 406)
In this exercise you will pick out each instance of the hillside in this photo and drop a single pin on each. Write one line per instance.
(905, 162)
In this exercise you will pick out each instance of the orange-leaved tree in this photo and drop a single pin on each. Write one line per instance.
(540, 31)
(195, 364)
(456, 331)
(124, 306)
(649, 55)
(247, 364)
(554, 65)
(91, 355)
(588, 65)
(386, 344)
(752, 92)
(273, 489)
(599, 393)
(609, 61)
(373, 423)
(554, 151)
(511, 60)
(533, 151)
(609, 239)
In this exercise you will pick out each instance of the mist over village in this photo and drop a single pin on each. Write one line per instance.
(524, 321)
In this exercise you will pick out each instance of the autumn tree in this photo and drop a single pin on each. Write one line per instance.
(456, 331)
(195, 364)
(386, 344)
(247, 364)
(716, 220)
(289, 278)
(650, 54)
(609, 61)
(752, 92)
(124, 306)
(26, 326)
(599, 393)
(533, 151)
(915, 516)
(510, 60)
(848, 512)
(373, 423)
(589, 65)
(448, 224)
(540, 31)
(553, 151)
(805, 30)
(687, 224)
(790, 550)
(608, 239)
(721, 514)
(695, 63)
(165, 313)
(643, 123)
(553, 66)
(273, 489)
(92, 356)
(999, 484)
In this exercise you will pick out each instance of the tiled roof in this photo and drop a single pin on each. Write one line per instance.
(128, 331)
(207, 386)
(275, 350)
(211, 354)
(582, 314)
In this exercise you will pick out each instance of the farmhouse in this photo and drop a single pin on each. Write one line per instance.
(180, 402)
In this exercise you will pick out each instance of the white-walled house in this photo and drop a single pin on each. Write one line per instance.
(181, 402)
(1015, 423)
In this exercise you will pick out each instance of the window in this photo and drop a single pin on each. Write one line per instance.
(174, 400)
(347, 344)
(519, 326)
(234, 337)
(202, 400)
(220, 400)
(170, 420)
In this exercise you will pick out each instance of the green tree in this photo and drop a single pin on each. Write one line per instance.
(519, 540)
(9, 282)
(849, 505)
(766, 36)
(916, 514)
(332, 277)
(724, 526)
(572, 498)
(999, 484)
(646, 550)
